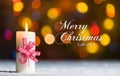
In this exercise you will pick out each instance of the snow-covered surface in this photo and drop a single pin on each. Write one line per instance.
(65, 68)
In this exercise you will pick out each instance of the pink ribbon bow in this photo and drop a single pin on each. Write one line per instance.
(26, 52)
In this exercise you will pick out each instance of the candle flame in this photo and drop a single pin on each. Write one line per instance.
(26, 26)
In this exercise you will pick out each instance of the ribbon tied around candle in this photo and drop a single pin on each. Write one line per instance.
(26, 52)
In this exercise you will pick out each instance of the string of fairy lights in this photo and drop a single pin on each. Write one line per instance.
(54, 13)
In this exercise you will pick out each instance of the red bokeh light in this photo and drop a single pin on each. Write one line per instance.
(95, 29)
(15, 1)
(8, 34)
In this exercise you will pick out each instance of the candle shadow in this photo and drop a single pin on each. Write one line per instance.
(4, 71)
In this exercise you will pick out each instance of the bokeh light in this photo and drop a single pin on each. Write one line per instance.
(65, 4)
(46, 30)
(53, 13)
(49, 39)
(82, 7)
(84, 34)
(35, 15)
(35, 26)
(95, 29)
(105, 39)
(108, 24)
(17, 7)
(8, 34)
(36, 4)
(15, 1)
(14, 54)
(65, 38)
(110, 10)
(37, 39)
(97, 1)
(92, 47)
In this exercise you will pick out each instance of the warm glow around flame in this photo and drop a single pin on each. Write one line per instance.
(26, 26)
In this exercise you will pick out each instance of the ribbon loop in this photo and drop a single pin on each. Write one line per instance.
(25, 52)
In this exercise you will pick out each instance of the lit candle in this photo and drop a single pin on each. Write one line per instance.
(24, 64)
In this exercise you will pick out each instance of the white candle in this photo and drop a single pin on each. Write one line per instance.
(29, 66)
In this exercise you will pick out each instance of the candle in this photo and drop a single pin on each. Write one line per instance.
(25, 62)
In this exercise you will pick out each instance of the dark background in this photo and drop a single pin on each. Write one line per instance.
(96, 13)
